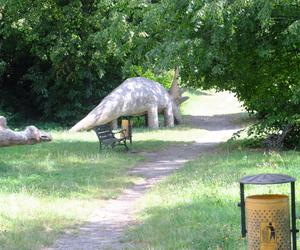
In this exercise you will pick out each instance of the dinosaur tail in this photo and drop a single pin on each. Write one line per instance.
(87, 123)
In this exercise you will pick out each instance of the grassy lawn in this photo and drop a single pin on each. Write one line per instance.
(196, 208)
(46, 188)
(50, 187)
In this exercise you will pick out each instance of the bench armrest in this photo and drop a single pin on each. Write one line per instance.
(119, 131)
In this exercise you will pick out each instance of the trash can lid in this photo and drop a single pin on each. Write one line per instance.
(264, 179)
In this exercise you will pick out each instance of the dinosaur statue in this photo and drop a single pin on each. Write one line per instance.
(136, 96)
(30, 135)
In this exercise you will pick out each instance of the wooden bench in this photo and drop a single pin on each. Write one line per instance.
(107, 137)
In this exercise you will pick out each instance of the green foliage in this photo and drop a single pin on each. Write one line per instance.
(59, 58)
(248, 47)
(165, 78)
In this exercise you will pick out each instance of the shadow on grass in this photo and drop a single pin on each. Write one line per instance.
(202, 224)
(218, 122)
(69, 169)
(210, 123)
(4, 167)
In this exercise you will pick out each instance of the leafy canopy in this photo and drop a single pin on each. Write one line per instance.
(250, 47)
(58, 58)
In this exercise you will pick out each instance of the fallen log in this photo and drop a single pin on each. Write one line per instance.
(31, 135)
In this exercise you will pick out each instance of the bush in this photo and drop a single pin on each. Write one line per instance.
(58, 59)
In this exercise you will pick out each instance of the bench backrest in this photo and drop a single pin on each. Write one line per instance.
(104, 132)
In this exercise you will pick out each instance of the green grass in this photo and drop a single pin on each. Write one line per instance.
(196, 208)
(48, 188)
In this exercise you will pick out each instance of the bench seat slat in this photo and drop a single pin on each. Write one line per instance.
(107, 137)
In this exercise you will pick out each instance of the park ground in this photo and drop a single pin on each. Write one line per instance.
(48, 189)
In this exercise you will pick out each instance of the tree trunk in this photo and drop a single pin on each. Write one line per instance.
(30, 135)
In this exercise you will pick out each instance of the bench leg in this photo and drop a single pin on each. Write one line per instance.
(125, 145)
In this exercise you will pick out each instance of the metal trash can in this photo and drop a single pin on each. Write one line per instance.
(268, 222)
(267, 219)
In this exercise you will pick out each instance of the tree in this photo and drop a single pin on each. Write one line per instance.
(59, 58)
(54, 55)
(248, 47)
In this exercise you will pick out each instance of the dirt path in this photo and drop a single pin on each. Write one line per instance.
(105, 227)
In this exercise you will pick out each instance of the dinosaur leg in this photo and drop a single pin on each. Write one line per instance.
(169, 117)
(153, 117)
(114, 124)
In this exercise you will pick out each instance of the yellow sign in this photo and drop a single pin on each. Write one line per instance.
(268, 237)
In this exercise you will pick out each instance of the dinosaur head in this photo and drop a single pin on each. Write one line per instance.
(175, 91)
(35, 135)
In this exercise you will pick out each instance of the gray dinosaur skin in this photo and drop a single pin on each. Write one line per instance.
(135, 96)
(30, 135)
